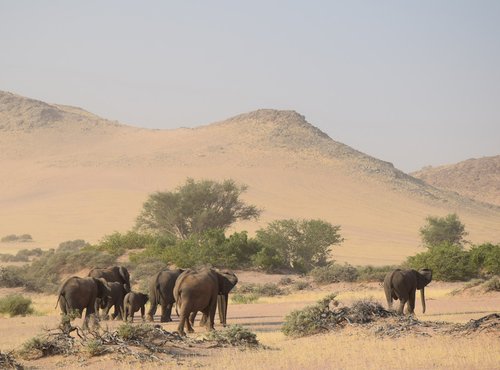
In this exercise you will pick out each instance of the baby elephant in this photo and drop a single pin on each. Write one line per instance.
(132, 303)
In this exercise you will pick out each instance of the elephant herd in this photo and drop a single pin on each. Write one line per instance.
(202, 290)
(193, 290)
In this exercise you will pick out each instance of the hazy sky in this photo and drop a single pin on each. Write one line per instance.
(414, 83)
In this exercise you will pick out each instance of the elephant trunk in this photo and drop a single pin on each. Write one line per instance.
(422, 297)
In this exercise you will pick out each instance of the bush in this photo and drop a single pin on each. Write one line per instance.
(374, 273)
(244, 298)
(486, 258)
(334, 273)
(17, 238)
(267, 289)
(301, 285)
(21, 256)
(95, 347)
(130, 332)
(117, 243)
(448, 262)
(492, 285)
(12, 277)
(16, 305)
(234, 335)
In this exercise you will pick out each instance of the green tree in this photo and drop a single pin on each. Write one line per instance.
(486, 258)
(195, 207)
(439, 230)
(297, 244)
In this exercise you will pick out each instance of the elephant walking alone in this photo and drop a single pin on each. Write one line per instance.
(198, 290)
(402, 285)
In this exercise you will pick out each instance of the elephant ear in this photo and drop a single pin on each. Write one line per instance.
(424, 277)
(125, 276)
(103, 289)
(227, 280)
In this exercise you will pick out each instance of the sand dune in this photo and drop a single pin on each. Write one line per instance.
(66, 174)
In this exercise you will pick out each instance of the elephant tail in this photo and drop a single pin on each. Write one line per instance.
(388, 288)
(60, 292)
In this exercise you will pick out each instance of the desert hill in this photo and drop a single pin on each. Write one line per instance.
(476, 178)
(67, 174)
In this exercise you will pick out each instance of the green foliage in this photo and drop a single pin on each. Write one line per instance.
(195, 207)
(16, 305)
(267, 289)
(486, 258)
(21, 256)
(210, 248)
(439, 230)
(117, 243)
(43, 275)
(299, 245)
(448, 262)
(17, 238)
(334, 273)
(374, 273)
(301, 285)
(72, 245)
(234, 335)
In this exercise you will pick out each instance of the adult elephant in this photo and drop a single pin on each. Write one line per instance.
(115, 298)
(78, 293)
(161, 292)
(402, 285)
(198, 290)
(117, 274)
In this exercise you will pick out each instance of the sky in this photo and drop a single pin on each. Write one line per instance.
(414, 83)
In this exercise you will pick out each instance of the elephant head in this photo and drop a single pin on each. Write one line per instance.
(227, 281)
(103, 289)
(424, 277)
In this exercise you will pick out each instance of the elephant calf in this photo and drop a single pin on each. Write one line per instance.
(132, 303)
(118, 292)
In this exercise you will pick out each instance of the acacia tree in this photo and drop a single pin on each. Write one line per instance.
(195, 207)
(297, 244)
(442, 230)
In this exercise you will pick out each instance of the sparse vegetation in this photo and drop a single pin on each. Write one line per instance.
(21, 256)
(16, 305)
(334, 273)
(234, 335)
(17, 238)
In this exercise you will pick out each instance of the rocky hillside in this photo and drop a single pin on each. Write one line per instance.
(474, 178)
(67, 174)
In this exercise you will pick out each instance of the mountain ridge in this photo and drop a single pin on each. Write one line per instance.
(70, 179)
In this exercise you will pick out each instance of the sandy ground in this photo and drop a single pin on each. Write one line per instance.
(265, 318)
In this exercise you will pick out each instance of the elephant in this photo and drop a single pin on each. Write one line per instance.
(198, 290)
(116, 273)
(402, 285)
(132, 303)
(161, 292)
(118, 292)
(78, 293)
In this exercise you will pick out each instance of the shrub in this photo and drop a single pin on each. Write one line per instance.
(448, 262)
(12, 277)
(117, 243)
(334, 273)
(244, 298)
(94, 347)
(374, 273)
(486, 258)
(492, 285)
(42, 346)
(17, 238)
(130, 332)
(234, 335)
(267, 289)
(16, 305)
(301, 285)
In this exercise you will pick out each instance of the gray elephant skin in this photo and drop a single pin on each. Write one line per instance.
(132, 303)
(198, 290)
(112, 274)
(115, 298)
(402, 285)
(161, 292)
(78, 293)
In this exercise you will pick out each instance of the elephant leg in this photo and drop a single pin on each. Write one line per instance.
(402, 302)
(203, 321)
(182, 322)
(166, 312)
(189, 326)
(142, 312)
(411, 303)
(152, 310)
(192, 317)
